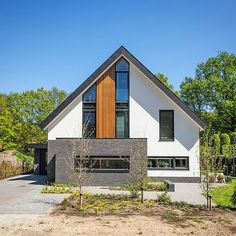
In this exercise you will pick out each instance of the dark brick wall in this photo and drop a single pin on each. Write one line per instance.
(61, 151)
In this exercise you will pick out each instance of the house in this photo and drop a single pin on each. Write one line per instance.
(120, 102)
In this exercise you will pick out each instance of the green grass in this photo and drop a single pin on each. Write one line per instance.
(222, 195)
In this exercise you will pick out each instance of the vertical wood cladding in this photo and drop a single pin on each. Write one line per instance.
(105, 124)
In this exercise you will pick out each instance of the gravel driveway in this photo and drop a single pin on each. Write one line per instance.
(22, 194)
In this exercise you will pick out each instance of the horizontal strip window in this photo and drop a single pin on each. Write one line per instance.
(102, 164)
(168, 163)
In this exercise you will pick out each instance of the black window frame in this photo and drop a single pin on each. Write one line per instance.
(118, 102)
(173, 126)
(104, 170)
(86, 109)
(173, 158)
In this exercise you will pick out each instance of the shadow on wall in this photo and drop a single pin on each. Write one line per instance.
(51, 168)
(147, 95)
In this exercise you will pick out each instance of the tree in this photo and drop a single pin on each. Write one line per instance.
(209, 164)
(21, 113)
(215, 142)
(78, 161)
(212, 92)
(138, 166)
(225, 144)
(165, 81)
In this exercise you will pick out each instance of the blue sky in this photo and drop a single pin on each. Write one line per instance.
(46, 43)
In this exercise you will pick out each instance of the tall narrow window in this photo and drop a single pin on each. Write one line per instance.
(166, 125)
(122, 99)
(89, 113)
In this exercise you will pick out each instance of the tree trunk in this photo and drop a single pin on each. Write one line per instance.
(80, 197)
(142, 194)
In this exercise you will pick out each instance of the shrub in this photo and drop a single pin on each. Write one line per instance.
(215, 142)
(164, 198)
(224, 140)
(7, 169)
(156, 186)
(226, 150)
(233, 198)
(133, 189)
(26, 160)
(233, 138)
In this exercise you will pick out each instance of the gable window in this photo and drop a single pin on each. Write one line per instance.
(122, 99)
(168, 163)
(166, 125)
(89, 113)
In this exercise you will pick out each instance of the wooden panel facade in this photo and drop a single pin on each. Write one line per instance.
(105, 123)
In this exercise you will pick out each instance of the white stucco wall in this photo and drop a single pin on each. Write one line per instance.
(69, 123)
(146, 100)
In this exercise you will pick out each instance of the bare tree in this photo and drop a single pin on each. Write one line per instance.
(78, 161)
(138, 165)
(210, 164)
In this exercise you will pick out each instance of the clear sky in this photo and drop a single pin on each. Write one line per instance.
(61, 42)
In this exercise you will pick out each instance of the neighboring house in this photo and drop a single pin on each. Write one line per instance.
(123, 101)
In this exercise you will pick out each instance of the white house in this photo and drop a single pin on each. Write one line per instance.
(120, 102)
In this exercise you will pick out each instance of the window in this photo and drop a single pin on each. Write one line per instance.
(122, 123)
(166, 125)
(103, 164)
(122, 99)
(89, 112)
(168, 163)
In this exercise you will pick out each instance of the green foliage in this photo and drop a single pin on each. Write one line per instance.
(225, 144)
(233, 138)
(148, 186)
(133, 189)
(212, 92)
(165, 81)
(215, 142)
(164, 198)
(233, 197)
(224, 139)
(226, 150)
(21, 113)
(26, 160)
(59, 190)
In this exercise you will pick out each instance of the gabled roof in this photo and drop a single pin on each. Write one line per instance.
(119, 52)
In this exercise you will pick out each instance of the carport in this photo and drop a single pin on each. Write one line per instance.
(40, 157)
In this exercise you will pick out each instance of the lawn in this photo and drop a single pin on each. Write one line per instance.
(222, 195)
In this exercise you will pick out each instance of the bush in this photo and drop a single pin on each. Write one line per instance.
(26, 160)
(233, 138)
(133, 189)
(215, 142)
(7, 169)
(224, 140)
(164, 198)
(156, 186)
(233, 198)
(226, 150)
